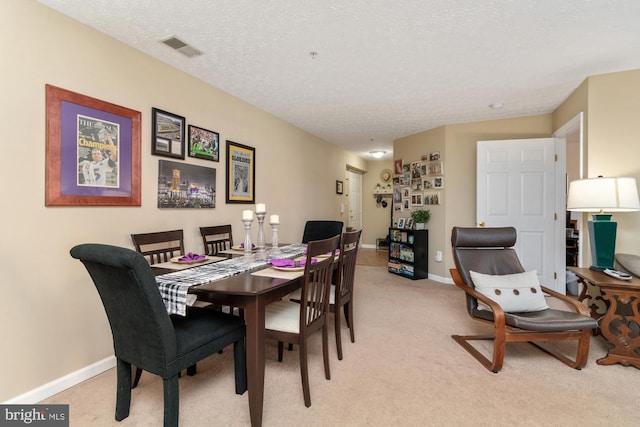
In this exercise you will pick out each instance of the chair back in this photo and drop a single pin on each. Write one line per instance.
(143, 334)
(484, 250)
(160, 246)
(347, 265)
(320, 230)
(216, 238)
(317, 281)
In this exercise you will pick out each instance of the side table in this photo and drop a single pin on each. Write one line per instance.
(620, 325)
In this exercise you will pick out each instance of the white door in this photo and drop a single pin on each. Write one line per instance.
(517, 186)
(355, 200)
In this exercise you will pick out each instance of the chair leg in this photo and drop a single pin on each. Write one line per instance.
(304, 373)
(171, 401)
(123, 390)
(280, 350)
(336, 322)
(240, 366)
(493, 365)
(192, 370)
(136, 380)
(325, 350)
(349, 308)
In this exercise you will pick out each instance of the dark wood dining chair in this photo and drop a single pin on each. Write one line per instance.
(159, 246)
(144, 334)
(288, 321)
(488, 254)
(341, 296)
(216, 238)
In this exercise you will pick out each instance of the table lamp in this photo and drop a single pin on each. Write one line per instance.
(603, 195)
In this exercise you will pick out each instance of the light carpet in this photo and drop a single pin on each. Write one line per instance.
(403, 370)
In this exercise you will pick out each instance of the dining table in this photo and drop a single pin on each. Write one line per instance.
(251, 289)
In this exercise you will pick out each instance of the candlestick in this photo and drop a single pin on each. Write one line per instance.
(247, 215)
(260, 242)
(274, 219)
(247, 235)
(261, 208)
(274, 233)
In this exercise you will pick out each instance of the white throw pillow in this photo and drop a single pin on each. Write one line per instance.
(516, 293)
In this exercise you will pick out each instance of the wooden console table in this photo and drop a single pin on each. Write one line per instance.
(620, 324)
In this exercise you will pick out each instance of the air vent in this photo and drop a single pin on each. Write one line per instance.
(182, 47)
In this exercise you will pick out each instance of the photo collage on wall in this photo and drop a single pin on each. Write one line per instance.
(418, 184)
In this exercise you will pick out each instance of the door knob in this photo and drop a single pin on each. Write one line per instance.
(481, 223)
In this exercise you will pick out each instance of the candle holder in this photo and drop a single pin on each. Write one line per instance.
(247, 236)
(274, 238)
(260, 242)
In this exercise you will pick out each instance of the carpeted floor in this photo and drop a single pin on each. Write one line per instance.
(403, 370)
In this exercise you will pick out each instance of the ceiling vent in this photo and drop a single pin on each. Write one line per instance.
(175, 43)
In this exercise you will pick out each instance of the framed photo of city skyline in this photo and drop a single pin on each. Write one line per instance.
(181, 185)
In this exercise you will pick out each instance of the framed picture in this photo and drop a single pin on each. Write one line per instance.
(167, 134)
(204, 144)
(409, 223)
(438, 182)
(416, 199)
(434, 198)
(181, 185)
(339, 187)
(92, 151)
(401, 222)
(241, 173)
(397, 167)
(435, 168)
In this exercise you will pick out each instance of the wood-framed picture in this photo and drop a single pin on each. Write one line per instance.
(167, 134)
(92, 151)
(339, 187)
(204, 144)
(241, 173)
(182, 185)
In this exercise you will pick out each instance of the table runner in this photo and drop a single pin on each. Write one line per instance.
(175, 286)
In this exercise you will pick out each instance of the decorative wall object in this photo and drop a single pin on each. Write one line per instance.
(181, 185)
(204, 144)
(92, 151)
(241, 173)
(339, 187)
(167, 134)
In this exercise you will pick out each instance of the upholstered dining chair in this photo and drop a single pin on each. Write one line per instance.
(500, 292)
(144, 334)
(288, 321)
(216, 238)
(159, 246)
(321, 229)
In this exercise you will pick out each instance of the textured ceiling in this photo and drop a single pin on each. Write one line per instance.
(384, 69)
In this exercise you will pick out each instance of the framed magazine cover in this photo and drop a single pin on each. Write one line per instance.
(241, 173)
(92, 151)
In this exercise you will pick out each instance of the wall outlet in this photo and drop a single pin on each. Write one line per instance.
(438, 256)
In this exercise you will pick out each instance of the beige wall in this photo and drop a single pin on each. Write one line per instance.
(457, 145)
(52, 320)
(375, 224)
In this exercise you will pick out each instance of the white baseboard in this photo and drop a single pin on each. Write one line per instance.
(56, 386)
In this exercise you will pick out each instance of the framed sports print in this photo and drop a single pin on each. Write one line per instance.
(241, 173)
(167, 134)
(92, 151)
(204, 144)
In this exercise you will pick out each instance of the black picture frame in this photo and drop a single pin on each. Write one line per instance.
(167, 134)
(203, 143)
(339, 187)
(241, 173)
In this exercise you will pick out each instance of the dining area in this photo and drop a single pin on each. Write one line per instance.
(247, 283)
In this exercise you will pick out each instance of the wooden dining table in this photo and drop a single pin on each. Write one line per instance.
(252, 293)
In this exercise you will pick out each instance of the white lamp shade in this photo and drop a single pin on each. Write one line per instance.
(603, 195)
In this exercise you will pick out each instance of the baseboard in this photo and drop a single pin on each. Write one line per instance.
(365, 246)
(56, 386)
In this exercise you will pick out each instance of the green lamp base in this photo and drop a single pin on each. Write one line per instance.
(602, 237)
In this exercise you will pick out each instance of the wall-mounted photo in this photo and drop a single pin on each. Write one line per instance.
(435, 168)
(92, 151)
(204, 144)
(433, 198)
(438, 182)
(167, 134)
(241, 171)
(181, 185)
(416, 199)
(397, 167)
(339, 187)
